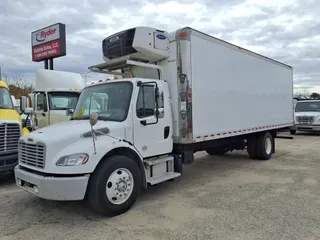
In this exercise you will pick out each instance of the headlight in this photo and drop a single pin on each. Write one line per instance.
(73, 159)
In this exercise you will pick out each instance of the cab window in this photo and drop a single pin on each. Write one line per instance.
(40, 101)
(146, 101)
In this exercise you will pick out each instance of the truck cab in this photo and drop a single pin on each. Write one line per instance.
(55, 96)
(10, 130)
(306, 116)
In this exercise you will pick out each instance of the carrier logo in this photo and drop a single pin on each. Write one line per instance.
(161, 37)
(113, 39)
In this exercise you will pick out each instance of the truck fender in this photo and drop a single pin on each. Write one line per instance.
(25, 131)
(130, 152)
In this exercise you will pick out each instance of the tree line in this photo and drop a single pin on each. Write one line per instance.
(18, 85)
(306, 94)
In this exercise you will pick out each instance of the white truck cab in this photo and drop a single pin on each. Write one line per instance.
(170, 98)
(306, 116)
(55, 96)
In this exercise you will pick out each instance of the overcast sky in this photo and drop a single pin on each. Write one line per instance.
(286, 30)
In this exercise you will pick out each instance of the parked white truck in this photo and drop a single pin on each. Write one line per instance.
(56, 93)
(306, 116)
(177, 93)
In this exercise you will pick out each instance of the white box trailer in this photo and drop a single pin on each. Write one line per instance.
(177, 93)
(230, 90)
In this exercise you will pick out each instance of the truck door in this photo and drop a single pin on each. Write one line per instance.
(152, 136)
(41, 110)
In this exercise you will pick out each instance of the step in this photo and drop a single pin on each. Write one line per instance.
(163, 178)
(154, 161)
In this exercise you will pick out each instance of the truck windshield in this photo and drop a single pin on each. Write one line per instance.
(5, 99)
(313, 106)
(110, 100)
(63, 100)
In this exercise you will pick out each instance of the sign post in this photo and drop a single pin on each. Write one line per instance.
(49, 43)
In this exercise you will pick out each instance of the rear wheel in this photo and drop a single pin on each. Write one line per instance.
(114, 186)
(252, 147)
(261, 146)
(293, 132)
(264, 146)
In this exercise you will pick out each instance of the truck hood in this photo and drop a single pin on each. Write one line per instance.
(71, 131)
(9, 115)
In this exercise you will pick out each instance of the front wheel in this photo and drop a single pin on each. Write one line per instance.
(293, 132)
(114, 186)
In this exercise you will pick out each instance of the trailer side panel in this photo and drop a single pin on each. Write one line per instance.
(234, 92)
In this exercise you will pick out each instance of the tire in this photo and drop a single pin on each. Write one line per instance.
(264, 146)
(221, 150)
(252, 148)
(178, 165)
(293, 132)
(114, 186)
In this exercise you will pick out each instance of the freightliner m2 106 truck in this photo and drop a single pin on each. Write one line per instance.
(306, 116)
(176, 93)
(10, 130)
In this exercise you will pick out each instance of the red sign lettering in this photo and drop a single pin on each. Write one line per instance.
(44, 34)
(46, 50)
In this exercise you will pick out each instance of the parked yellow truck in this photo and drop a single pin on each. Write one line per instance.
(11, 130)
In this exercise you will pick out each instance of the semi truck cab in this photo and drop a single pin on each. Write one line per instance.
(10, 130)
(55, 96)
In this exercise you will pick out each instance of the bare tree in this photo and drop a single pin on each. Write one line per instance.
(18, 85)
(302, 93)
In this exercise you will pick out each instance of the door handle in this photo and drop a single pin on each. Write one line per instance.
(166, 132)
(43, 114)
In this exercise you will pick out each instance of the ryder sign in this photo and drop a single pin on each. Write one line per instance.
(48, 42)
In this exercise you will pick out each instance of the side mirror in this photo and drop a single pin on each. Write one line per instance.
(23, 103)
(93, 118)
(13, 100)
(28, 110)
(159, 111)
(69, 111)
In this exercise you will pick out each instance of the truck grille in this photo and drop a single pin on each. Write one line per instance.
(305, 119)
(32, 154)
(9, 136)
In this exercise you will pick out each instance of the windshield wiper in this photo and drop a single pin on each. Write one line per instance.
(104, 118)
(80, 118)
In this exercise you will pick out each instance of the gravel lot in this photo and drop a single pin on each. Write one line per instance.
(229, 197)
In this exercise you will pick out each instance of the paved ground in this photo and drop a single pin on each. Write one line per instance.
(230, 197)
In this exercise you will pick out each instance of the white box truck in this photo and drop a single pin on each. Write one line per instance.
(177, 93)
(55, 96)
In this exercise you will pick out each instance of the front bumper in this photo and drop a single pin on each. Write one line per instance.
(52, 188)
(306, 127)
(8, 160)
